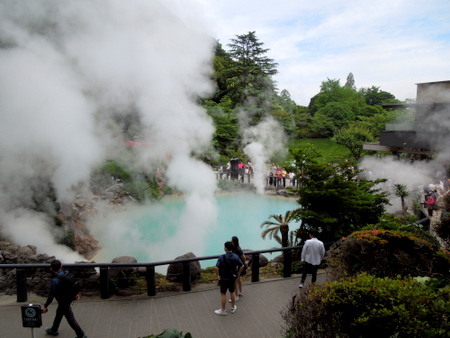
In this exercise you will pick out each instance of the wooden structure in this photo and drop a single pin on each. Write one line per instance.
(430, 126)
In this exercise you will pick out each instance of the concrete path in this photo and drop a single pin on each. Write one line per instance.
(258, 314)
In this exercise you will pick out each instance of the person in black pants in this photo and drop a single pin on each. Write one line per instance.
(312, 254)
(64, 302)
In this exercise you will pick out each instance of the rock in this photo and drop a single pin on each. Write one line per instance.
(124, 276)
(26, 251)
(175, 270)
(115, 272)
(263, 261)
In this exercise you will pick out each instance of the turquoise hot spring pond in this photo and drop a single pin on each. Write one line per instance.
(152, 233)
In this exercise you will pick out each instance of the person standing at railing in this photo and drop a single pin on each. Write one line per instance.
(238, 251)
(312, 254)
(228, 267)
(64, 298)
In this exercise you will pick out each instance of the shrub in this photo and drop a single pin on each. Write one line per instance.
(387, 253)
(442, 229)
(408, 224)
(368, 306)
(171, 333)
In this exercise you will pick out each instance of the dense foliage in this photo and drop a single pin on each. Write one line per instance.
(386, 253)
(332, 199)
(369, 306)
(246, 94)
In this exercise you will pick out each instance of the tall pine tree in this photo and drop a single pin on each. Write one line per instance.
(252, 69)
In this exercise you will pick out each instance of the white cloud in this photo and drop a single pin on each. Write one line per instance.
(390, 44)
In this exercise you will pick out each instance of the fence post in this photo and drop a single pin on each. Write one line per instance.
(287, 263)
(255, 267)
(186, 276)
(21, 281)
(104, 282)
(150, 278)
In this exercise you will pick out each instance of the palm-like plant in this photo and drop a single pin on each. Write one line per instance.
(279, 226)
(403, 193)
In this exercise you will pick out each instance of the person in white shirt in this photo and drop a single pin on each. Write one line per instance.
(312, 254)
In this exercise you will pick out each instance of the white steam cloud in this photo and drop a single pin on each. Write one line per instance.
(413, 175)
(72, 75)
(262, 142)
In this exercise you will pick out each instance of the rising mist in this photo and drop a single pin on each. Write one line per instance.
(72, 75)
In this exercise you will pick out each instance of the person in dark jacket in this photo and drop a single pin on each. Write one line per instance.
(228, 267)
(64, 301)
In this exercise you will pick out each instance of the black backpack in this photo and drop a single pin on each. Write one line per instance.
(69, 286)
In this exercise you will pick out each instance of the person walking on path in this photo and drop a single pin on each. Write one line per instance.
(64, 298)
(228, 267)
(238, 251)
(312, 254)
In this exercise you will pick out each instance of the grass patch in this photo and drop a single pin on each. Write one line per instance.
(330, 150)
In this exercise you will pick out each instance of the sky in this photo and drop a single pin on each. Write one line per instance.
(391, 44)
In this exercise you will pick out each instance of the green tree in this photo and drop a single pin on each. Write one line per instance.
(251, 71)
(302, 120)
(330, 118)
(280, 225)
(350, 83)
(332, 91)
(226, 138)
(222, 64)
(334, 107)
(248, 51)
(374, 96)
(284, 110)
(374, 118)
(353, 137)
(333, 201)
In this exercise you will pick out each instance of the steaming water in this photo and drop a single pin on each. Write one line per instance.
(149, 230)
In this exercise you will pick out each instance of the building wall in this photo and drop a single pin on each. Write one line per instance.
(433, 92)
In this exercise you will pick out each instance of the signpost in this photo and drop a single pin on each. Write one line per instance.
(31, 316)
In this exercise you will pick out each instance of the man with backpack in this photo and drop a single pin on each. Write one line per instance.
(228, 268)
(65, 289)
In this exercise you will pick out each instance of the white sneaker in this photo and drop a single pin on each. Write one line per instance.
(240, 294)
(300, 285)
(233, 309)
(220, 312)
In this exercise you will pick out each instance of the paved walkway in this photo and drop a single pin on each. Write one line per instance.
(258, 314)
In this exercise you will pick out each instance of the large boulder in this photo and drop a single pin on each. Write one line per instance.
(263, 261)
(175, 270)
(124, 276)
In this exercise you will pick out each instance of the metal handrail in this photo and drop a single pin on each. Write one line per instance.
(150, 275)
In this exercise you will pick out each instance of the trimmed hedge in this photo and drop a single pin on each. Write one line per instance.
(368, 306)
(386, 253)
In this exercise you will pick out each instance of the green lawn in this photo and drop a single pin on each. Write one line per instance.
(330, 150)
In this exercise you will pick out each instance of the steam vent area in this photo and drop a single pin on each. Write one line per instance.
(428, 127)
